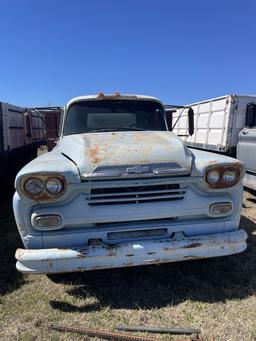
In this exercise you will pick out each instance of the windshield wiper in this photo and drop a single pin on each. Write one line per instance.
(117, 129)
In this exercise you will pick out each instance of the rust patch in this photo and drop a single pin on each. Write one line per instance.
(44, 196)
(191, 246)
(19, 253)
(94, 154)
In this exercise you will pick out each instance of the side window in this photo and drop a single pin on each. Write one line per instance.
(250, 115)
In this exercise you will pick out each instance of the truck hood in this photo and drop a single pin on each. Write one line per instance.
(126, 153)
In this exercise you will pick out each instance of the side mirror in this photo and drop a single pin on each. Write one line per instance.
(191, 121)
(169, 119)
(28, 128)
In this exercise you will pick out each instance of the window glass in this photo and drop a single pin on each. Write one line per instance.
(251, 115)
(114, 115)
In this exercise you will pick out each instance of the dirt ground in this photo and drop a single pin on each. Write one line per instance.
(214, 295)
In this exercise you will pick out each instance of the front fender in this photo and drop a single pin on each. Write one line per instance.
(203, 159)
(53, 162)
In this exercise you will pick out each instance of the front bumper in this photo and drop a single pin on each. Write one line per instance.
(130, 254)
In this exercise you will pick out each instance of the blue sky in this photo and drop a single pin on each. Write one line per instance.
(178, 50)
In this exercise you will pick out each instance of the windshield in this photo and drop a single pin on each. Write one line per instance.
(114, 115)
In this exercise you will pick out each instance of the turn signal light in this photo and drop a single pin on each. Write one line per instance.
(45, 222)
(220, 208)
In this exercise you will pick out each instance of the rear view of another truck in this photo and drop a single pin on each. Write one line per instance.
(21, 132)
(226, 125)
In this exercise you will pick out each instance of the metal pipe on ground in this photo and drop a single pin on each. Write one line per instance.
(104, 334)
(107, 335)
(174, 331)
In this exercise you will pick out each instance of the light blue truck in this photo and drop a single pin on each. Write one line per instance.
(120, 189)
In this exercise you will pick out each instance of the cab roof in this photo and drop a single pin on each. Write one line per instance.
(117, 95)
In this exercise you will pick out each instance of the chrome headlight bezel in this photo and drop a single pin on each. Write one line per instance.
(43, 178)
(223, 170)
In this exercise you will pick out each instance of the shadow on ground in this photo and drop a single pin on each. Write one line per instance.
(10, 278)
(212, 280)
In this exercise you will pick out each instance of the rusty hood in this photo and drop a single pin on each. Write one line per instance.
(112, 150)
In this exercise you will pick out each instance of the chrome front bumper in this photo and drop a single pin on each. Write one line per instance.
(136, 253)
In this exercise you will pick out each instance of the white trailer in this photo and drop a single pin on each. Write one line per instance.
(21, 131)
(225, 125)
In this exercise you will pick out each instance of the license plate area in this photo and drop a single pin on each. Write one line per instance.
(137, 234)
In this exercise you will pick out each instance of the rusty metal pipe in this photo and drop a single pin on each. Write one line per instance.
(104, 334)
(176, 331)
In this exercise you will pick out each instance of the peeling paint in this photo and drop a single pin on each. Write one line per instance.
(121, 148)
(94, 156)
(99, 257)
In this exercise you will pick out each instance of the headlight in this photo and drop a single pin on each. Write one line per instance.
(213, 177)
(229, 175)
(54, 186)
(43, 187)
(33, 186)
(223, 176)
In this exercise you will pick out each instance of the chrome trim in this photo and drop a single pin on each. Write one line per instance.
(129, 171)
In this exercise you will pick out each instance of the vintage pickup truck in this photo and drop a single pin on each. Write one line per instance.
(120, 189)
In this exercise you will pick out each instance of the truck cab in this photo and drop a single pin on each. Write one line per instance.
(120, 189)
(246, 147)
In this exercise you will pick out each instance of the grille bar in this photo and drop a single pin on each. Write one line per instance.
(126, 194)
(137, 198)
(135, 194)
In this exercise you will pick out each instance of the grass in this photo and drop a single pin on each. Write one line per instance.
(214, 295)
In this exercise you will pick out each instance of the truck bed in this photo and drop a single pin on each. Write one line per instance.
(218, 122)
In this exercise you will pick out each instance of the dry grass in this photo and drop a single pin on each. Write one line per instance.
(215, 295)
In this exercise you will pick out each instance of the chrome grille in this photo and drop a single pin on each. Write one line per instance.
(135, 194)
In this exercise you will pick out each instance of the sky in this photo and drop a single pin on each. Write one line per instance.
(180, 51)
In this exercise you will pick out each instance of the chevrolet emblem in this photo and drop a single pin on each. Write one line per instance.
(137, 170)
